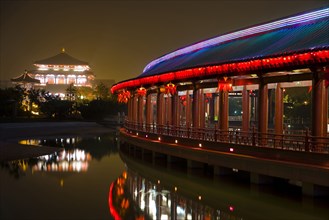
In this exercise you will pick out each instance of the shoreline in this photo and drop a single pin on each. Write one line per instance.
(11, 133)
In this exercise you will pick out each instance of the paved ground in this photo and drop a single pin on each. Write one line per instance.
(11, 133)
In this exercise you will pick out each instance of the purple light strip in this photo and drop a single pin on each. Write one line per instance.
(243, 33)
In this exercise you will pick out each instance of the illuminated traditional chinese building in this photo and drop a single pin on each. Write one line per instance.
(56, 73)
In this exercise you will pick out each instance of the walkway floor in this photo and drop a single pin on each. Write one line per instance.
(11, 133)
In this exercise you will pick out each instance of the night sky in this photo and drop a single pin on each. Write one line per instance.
(119, 38)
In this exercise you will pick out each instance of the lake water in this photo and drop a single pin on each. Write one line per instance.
(92, 180)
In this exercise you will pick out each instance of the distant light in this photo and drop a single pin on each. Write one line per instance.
(235, 170)
(231, 208)
(200, 145)
(175, 188)
(199, 197)
(231, 149)
(137, 133)
(146, 136)
(159, 138)
(176, 141)
(158, 181)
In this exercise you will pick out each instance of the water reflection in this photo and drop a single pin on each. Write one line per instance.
(134, 197)
(74, 160)
(72, 184)
(148, 192)
(75, 157)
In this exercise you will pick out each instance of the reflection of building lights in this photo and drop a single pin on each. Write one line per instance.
(75, 160)
(164, 217)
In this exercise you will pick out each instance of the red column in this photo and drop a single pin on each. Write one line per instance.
(140, 116)
(262, 111)
(201, 108)
(149, 109)
(175, 110)
(319, 106)
(169, 110)
(278, 117)
(223, 110)
(195, 109)
(135, 108)
(245, 110)
(129, 110)
(188, 110)
(160, 115)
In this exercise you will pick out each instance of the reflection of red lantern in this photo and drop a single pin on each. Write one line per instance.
(170, 88)
(183, 99)
(141, 91)
(208, 96)
(224, 86)
(124, 96)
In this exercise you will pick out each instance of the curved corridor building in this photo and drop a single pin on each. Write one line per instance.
(181, 105)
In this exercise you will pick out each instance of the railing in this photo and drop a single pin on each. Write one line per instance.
(301, 142)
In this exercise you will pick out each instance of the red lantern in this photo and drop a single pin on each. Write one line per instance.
(124, 96)
(225, 86)
(141, 91)
(170, 88)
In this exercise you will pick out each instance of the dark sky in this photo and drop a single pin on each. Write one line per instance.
(119, 38)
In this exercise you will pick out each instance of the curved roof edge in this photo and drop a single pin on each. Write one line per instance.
(300, 59)
(256, 29)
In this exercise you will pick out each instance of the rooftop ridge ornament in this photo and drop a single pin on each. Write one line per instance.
(298, 19)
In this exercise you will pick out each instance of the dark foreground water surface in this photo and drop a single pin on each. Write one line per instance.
(90, 179)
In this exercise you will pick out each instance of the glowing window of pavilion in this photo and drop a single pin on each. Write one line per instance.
(43, 67)
(71, 79)
(79, 68)
(50, 78)
(66, 68)
(41, 78)
(60, 79)
(81, 79)
(56, 68)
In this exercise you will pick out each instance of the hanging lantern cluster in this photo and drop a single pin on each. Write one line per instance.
(225, 85)
(124, 96)
(170, 88)
(141, 91)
